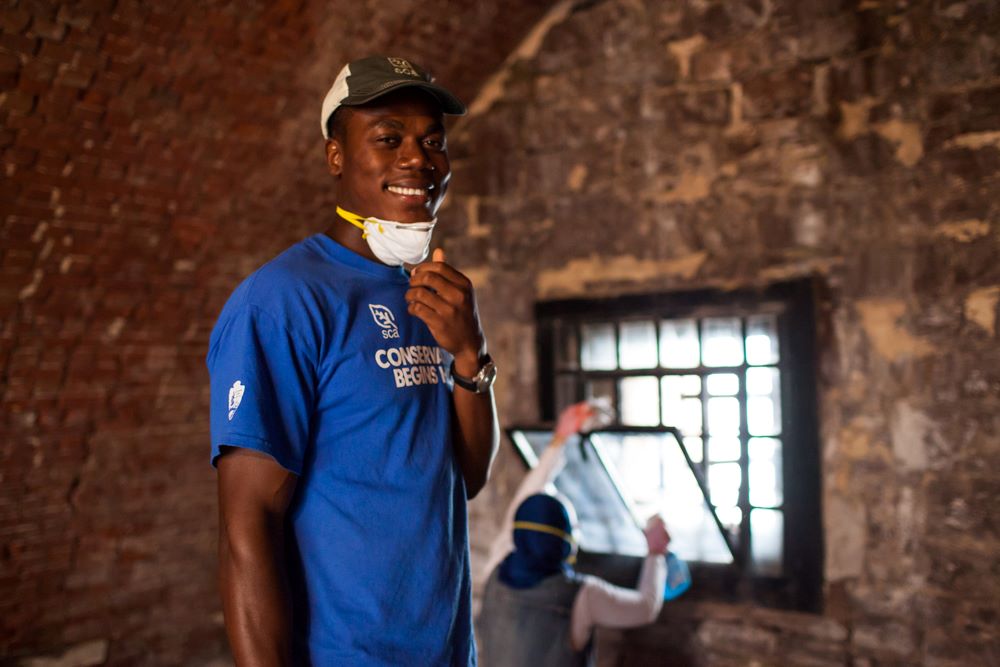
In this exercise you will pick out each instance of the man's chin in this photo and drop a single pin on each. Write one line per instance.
(409, 216)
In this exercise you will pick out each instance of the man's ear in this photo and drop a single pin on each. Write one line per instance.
(334, 156)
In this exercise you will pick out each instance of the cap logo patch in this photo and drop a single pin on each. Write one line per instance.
(400, 66)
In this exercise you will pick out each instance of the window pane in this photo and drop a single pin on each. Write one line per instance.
(567, 349)
(600, 389)
(766, 530)
(678, 410)
(694, 449)
(763, 401)
(722, 384)
(724, 416)
(598, 352)
(637, 345)
(682, 385)
(762, 381)
(765, 472)
(679, 344)
(640, 401)
(731, 517)
(724, 483)
(722, 341)
(762, 340)
(565, 392)
(724, 449)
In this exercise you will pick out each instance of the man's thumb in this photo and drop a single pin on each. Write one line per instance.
(438, 255)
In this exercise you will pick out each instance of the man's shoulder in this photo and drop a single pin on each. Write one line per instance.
(296, 285)
(296, 275)
(296, 268)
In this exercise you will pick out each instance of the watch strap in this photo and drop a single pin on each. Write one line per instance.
(471, 384)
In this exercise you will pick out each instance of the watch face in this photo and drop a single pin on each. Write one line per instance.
(487, 374)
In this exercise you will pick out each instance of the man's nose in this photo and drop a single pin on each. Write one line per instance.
(413, 156)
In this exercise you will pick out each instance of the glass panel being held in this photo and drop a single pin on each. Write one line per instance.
(598, 351)
(605, 522)
(679, 346)
(637, 345)
(653, 473)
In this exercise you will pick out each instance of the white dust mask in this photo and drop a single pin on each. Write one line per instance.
(394, 243)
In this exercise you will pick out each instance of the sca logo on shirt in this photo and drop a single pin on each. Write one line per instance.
(235, 397)
(385, 319)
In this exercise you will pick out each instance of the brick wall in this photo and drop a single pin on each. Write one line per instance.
(646, 146)
(153, 154)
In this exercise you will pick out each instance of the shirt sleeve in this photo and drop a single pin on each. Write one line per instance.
(599, 603)
(550, 463)
(262, 388)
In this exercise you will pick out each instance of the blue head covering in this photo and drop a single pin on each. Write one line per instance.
(542, 542)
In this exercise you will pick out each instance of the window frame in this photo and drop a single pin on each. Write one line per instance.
(800, 585)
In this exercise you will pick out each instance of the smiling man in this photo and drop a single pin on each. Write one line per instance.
(352, 408)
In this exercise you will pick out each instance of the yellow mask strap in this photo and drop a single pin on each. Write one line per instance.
(358, 221)
(542, 528)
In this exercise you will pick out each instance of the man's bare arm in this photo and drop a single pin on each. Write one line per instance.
(254, 494)
(476, 434)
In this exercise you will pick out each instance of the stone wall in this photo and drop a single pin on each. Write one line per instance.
(633, 146)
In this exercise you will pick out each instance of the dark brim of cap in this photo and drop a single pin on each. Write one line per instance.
(450, 104)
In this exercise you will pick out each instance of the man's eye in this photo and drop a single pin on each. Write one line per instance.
(388, 139)
(436, 144)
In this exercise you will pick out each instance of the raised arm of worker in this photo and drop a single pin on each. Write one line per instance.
(600, 604)
(445, 300)
(254, 494)
(550, 463)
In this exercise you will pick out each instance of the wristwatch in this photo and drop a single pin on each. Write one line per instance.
(481, 382)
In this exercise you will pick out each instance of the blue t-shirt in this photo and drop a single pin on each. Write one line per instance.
(315, 361)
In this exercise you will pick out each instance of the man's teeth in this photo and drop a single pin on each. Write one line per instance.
(406, 191)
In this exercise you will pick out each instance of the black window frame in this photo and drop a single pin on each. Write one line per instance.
(794, 304)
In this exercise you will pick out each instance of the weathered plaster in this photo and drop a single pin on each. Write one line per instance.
(981, 307)
(880, 320)
(845, 521)
(963, 231)
(911, 430)
(907, 138)
(572, 279)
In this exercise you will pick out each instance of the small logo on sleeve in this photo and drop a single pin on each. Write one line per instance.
(235, 396)
(385, 319)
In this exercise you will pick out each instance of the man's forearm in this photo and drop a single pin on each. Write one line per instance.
(255, 597)
(477, 437)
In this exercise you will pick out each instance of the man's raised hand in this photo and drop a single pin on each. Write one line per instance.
(445, 300)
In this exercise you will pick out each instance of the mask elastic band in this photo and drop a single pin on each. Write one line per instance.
(359, 221)
(543, 528)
